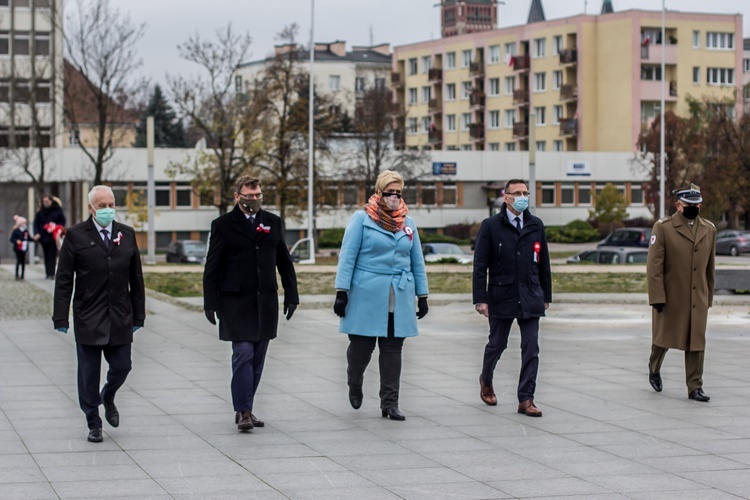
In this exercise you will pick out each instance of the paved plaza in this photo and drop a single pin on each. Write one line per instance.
(605, 433)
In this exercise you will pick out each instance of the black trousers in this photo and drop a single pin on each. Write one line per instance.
(20, 264)
(693, 365)
(358, 356)
(50, 258)
(498, 341)
(89, 377)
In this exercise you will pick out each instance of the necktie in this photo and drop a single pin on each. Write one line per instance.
(106, 238)
(517, 220)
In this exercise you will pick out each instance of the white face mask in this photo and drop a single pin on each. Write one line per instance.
(392, 202)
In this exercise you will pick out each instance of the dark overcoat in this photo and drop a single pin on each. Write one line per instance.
(43, 217)
(108, 296)
(239, 279)
(680, 273)
(511, 268)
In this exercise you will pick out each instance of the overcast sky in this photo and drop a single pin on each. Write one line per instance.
(397, 22)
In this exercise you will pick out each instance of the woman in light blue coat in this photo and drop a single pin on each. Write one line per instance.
(380, 275)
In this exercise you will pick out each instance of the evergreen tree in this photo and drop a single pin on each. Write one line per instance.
(168, 130)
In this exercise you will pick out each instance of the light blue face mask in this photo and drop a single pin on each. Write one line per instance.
(105, 216)
(521, 203)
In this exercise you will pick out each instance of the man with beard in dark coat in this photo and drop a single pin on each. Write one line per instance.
(245, 249)
(512, 246)
(109, 304)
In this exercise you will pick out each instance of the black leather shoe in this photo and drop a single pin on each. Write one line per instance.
(111, 415)
(655, 381)
(355, 397)
(699, 395)
(95, 436)
(393, 414)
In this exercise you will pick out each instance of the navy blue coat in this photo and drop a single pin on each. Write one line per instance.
(519, 283)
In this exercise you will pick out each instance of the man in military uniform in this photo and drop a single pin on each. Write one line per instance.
(681, 288)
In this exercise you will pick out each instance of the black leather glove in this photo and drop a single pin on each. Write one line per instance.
(339, 307)
(659, 307)
(210, 313)
(289, 310)
(422, 307)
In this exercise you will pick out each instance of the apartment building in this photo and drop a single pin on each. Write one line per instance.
(746, 74)
(580, 83)
(31, 62)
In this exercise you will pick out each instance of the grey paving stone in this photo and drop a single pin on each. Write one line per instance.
(448, 491)
(28, 491)
(736, 482)
(650, 482)
(361, 493)
(55, 473)
(105, 488)
(548, 487)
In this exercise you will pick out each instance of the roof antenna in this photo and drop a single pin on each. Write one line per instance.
(585, 6)
(372, 43)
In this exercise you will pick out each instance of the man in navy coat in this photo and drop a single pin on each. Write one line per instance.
(512, 246)
(109, 304)
(245, 249)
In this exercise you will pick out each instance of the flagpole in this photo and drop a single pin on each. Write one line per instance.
(662, 168)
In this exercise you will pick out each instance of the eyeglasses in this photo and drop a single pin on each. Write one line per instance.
(519, 193)
(258, 196)
(391, 193)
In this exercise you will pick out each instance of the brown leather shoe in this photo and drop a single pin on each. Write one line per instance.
(527, 407)
(256, 422)
(246, 421)
(487, 393)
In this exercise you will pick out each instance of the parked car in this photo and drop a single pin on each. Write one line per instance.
(192, 251)
(435, 252)
(627, 237)
(621, 255)
(732, 242)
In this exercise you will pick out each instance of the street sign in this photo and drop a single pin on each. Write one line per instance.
(444, 168)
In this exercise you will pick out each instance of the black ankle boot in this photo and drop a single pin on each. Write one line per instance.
(393, 414)
(355, 397)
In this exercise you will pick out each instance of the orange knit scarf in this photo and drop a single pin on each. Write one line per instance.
(390, 220)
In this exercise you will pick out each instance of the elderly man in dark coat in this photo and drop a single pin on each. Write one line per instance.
(511, 248)
(109, 304)
(245, 249)
(680, 273)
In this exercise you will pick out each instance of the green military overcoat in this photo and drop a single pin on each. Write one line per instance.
(681, 276)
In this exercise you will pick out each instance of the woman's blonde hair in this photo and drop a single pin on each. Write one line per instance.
(388, 177)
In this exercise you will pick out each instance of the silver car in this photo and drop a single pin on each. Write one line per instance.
(435, 252)
(611, 255)
(732, 242)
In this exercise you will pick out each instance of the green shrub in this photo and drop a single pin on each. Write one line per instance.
(440, 238)
(331, 238)
(577, 231)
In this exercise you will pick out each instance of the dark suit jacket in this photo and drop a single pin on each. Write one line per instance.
(519, 283)
(239, 279)
(109, 295)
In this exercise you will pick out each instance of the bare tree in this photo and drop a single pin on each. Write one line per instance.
(99, 86)
(225, 117)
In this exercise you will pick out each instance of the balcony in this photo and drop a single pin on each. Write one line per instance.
(399, 137)
(652, 54)
(520, 96)
(651, 90)
(520, 129)
(435, 106)
(477, 99)
(568, 126)
(436, 75)
(521, 63)
(435, 136)
(568, 93)
(568, 56)
(477, 68)
(476, 131)
(396, 79)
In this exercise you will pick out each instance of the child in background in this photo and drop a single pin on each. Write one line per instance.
(20, 239)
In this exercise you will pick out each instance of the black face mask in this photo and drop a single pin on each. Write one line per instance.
(691, 211)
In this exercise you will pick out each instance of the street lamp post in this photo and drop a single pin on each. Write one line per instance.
(311, 136)
(662, 168)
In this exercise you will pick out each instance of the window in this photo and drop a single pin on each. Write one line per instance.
(696, 39)
(22, 90)
(21, 43)
(494, 54)
(696, 75)
(380, 83)
(41, 43)
(42, 4)
(720, 76)
(184, 196)
(73, 139)
(465, 58)
(4, 3)
(540, 48)
(412, 96)
(494, 120)
(429, 194)
(548, 194)
(426, 64)
(746, 65)
(450, 194)
(510, 117)
(425, 124)
(650, 72)
(466, 147)
(426, 93)
(21, 3)
(541, 116)
(452, 148)
(359, 84)
(567, 193)
(557, 79)
(510, 146)
(413, 66)
(540, 82)
(4, 43)
(557, 114)
(410, 194)
(450, 60)
(719, 41)
(557, 145)
(651, 36)
(541, 145)
(494, 146)
(351, 194)
(636, 194)
(465, 121)
(43, 91)
(556, 44)
(450, 92)
(413, 126)
(334, 82)
(465, 90)
(510, 85)
(163, 194)
(238, 84)
(494, 86)
(510, 49)
(450, 123)
(4, 90)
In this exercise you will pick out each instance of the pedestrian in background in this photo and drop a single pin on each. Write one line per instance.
(100, 256)
(381, 272)
(245, 248)
(512, 246)
(20, 239)
(680, 272)
(49, 224)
